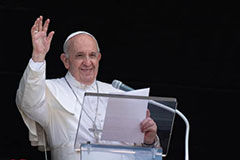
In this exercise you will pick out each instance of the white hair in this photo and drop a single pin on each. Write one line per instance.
(74, 34)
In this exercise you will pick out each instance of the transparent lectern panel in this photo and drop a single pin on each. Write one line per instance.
(93, 116)
(164, 120)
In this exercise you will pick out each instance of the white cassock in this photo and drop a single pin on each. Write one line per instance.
(51, 105)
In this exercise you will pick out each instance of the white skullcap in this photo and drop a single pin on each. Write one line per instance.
(77, 33)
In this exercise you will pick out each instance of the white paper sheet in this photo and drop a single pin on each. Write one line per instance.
(123, 118)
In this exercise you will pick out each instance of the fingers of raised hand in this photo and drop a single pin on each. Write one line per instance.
(40, 24)
(35, 27)
(39, 27)
(45, 26)
(50, 36)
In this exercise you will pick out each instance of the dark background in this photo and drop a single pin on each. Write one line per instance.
(183, 49)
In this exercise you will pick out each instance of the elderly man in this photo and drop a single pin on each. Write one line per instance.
(52, 107)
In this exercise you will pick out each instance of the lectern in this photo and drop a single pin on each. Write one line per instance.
(95, 140)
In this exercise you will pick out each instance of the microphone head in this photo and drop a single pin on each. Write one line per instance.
(116, 84)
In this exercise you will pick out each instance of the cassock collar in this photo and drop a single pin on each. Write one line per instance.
(77, 84)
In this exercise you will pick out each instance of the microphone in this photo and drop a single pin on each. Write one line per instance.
(119, 85)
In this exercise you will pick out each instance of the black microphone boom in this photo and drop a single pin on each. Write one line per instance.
(119, 85)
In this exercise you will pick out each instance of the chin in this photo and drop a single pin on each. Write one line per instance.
(89, 80)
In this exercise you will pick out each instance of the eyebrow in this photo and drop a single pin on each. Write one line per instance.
(85, 53)
(79, 52)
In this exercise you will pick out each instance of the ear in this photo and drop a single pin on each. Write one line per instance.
(65, 60)
(99, 56)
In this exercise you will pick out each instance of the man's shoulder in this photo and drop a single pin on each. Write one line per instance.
(56, 84)
(55, 81)
(59, 89)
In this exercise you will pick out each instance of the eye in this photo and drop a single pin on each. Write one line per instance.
(93, 55)
(79, 55)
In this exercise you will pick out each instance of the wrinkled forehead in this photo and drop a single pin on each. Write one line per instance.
(78, 33)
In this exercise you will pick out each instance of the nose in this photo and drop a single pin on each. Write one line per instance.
(87, 61)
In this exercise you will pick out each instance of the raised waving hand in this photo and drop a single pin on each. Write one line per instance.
(41, 41)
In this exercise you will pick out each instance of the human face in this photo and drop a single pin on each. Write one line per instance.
(83, 58)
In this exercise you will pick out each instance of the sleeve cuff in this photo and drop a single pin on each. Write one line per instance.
(36, 66)
(156, 143)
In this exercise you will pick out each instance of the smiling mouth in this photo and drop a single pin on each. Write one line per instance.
(87, 69)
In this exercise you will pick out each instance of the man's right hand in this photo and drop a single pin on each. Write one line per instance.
(40, 40)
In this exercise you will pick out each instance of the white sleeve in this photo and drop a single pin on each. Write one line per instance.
(30, 96)
(31, 101)
(36, 66)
